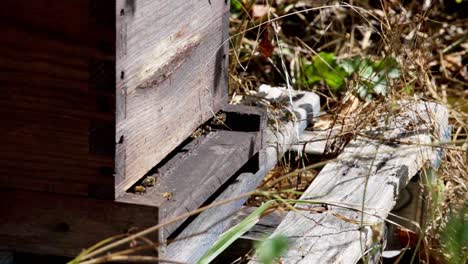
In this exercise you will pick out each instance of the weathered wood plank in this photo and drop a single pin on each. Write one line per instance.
(315, 142)
(277, 140)
(171, 78)
(243, 246)
(73, 69)
(195, 173)
(386, 165)
(192, 243)
(287, 134)
(63, 225)
(265, 226)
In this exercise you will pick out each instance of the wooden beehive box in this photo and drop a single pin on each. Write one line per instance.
(81, 77)
(95, 94)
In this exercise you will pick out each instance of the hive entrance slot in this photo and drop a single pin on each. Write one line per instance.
(251, 166)
(199, 168)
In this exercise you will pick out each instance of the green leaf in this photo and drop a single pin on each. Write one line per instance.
(363, 92)
(408, 90)
(334, 79)
(374, 76)
(311, 75)
(455, 236)
(349, 65)
(323, 62)
(236, 6)
(228, 237)
(389, 67)
(393, 73)
(366, 70)
(328, 69)
(271, 249)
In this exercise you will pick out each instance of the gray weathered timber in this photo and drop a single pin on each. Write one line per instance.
(171, 77)
(278, 139)
(265, 226)
(281, 137)
(315, 141)
(386, 165)
(205, 230)
(192, 243)
(195, 173)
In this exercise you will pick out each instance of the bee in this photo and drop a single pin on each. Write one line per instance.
(219, 119)
(149, 181)
(139, 189)
(201, 131)
(167, 195)
(206, 130)
(198, 133)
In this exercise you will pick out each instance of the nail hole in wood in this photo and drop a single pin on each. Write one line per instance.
(122, 75)
(122, 12)
(121, 139)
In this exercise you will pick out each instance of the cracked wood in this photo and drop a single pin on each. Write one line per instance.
(334, 236)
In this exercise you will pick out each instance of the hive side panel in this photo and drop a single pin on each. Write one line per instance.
(171, 77)
(64, 225)
(57, 68)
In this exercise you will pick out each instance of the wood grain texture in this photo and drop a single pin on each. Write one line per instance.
(57, 72)
(171, 77)
(70, 69)
(201, 234)
(44, 223)
(263, 228)
(195, 173)
(209, 225)
(324, 238)
(315, 141)
(242, 247)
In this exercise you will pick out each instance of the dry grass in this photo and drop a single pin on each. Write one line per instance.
(273, 40)
(426, 38)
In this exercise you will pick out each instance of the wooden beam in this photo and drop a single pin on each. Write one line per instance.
(198, 237)
(243, 246)
(287, 135)
(277, 140)
(265, 226)
(374, 160)
(314, 142)
(195, 173)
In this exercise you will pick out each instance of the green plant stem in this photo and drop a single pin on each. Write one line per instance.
(158, 226)
(132, 259)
